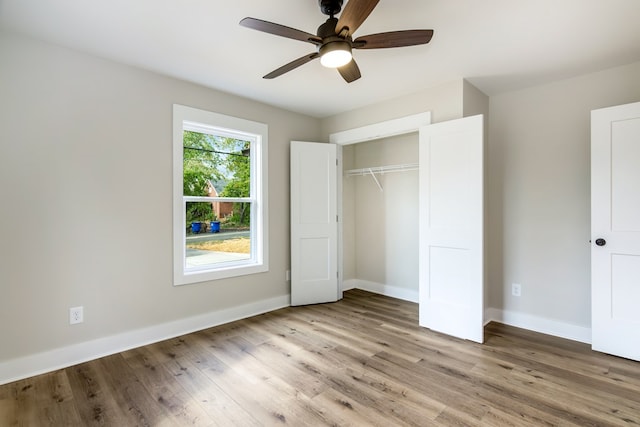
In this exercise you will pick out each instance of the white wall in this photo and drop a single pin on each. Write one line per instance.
(539, 190)
(85, 216)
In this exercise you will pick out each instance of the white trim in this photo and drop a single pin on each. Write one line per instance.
(257, 133)
(519, 320)
(400, 126)
(48, 361)
(385, 129)
(349, 284)
(539, 324)
(218, 199)
(382, 289)
(339, 209)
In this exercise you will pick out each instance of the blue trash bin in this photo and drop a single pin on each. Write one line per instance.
(215, 226)
(195, 227)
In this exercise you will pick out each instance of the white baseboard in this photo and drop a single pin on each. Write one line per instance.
(380, 288)
(51, 360)
(48, 361)
(519, 320)
(349, 284)
(539, 324)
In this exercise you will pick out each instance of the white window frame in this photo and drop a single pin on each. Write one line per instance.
(188, 118)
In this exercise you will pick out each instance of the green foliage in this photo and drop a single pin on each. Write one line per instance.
(200, 211)
(200, 164)
(239, 186)
(215, 159)
(235, 221)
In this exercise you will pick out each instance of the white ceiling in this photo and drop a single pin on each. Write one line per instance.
(498, 45)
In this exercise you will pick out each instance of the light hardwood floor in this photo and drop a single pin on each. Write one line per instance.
(362, 361)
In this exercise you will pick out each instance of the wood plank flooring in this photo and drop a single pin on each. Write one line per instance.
(360, 362)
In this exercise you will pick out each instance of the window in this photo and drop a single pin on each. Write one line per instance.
(219, 196)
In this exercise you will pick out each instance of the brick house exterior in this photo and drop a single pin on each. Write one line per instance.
(221, 209)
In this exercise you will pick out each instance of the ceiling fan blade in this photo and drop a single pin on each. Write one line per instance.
(280, 30)
(393, 39)
(292, 65)
(350, 72)
(354, 14)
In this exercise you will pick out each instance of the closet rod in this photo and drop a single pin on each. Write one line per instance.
(373, 175)
(382, 169)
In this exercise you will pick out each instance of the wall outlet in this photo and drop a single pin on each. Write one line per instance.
(76, 315)
(287, 275)
(516, 289)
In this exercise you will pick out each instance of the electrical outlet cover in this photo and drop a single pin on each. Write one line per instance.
(516, 289)
(76, 315)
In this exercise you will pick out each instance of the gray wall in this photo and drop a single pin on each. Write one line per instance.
(85, 184)
(86, 179)
(443, 101)
(539, 191)
(348, 216)
(383, 224)
(537, 184)
(379, 228)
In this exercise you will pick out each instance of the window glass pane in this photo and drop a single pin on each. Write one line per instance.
(220, 203)
(217, 231)
(216, 166)
(209, 241)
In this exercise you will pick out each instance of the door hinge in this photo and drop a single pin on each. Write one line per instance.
(337, 220)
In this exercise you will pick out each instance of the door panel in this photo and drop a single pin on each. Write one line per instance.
(448, 186)
(625, 175)
(312, 266)
(625, 292)
(615, 218)
(449, 266)
(451, 228)
(314, 227)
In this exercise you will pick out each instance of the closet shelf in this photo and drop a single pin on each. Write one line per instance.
(382, 169)
(372, 171)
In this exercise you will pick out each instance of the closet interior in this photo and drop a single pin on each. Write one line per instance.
(380, 216)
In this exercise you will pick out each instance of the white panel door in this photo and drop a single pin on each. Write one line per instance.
(615, 230)
(451, 270)
(314, 223)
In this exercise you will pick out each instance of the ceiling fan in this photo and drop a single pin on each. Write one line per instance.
(334, 39)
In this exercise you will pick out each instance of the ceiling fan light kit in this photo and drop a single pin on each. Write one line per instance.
(335, 54)
(334, 39)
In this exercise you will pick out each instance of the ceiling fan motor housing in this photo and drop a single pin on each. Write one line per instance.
(330, 7)
(330, 40)
(328, 29)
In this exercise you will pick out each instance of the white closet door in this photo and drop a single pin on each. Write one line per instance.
(615, 228)
(314, 223)
(451, 270)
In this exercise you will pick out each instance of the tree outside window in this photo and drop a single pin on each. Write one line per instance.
(221, 204)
